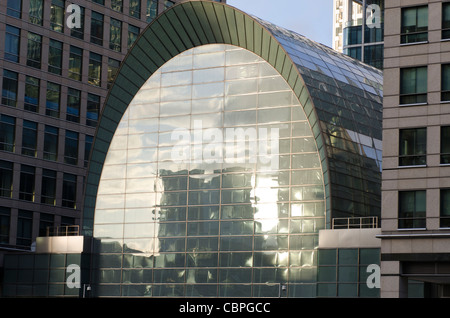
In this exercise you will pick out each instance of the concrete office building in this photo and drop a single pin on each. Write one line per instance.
(176, 207)
(358, 30)
(415, 206)
(54, 80)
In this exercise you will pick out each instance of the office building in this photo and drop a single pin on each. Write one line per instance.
(55, 76)
(358, 29)
(416, 116)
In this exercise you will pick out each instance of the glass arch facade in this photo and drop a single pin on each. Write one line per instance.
(187, 207)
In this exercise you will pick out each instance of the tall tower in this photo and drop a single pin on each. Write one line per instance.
(358, 29)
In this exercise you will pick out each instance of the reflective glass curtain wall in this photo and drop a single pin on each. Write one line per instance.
(189, 228)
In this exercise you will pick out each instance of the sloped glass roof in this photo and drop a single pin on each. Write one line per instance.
(348, 97)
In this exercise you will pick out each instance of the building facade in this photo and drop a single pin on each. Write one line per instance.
(415, 208)
(55, 77)
(358, 29)
(224, 147)
(178, 209)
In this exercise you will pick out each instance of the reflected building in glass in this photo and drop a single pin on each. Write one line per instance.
(223, 149)
(225, 146)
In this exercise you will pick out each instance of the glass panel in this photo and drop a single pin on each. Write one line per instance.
(212, 215)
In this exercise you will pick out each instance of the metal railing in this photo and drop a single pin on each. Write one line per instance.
(66, 230)
(370, 222)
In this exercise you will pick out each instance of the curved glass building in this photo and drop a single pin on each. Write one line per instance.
(225, 145)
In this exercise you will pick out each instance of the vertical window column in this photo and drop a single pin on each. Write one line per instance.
(27, 180)
(73, 105)
(5, 219)
(55, 57)
(413, 147)
(24, 228)
(57, 9)
(36, 11)
(414, 25)
(412, 210)
(69, 195)
(413, 85)
(93, 110)
(7, 133)
(71, 148)
(75, 63)
(14, 8)
(53, 100)
(95, 69)
(6, 178)
(97, 28)
(34, 52)
(51, 143)
(12, 44)
(32, 88)
(115, 35)
(9, 88)
(29, 138)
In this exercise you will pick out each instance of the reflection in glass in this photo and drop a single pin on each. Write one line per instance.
(223, 223)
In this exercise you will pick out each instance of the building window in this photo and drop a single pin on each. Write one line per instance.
(55, 57)
(9, 88)
(97, 28)
(57, 15)
(5, 219)
(87, 149)
(69, 194)
(73, 105)
(168, 4)
(51, 143)
(46, 222)
(32, 85)
(102, 2)
(93, 110)
(48, 190)
(75, 63)
(6, 179)
(135, 8)
(53, 99)
(117, 5)
(34, 52)
(133, 33)
(36, 11)
(27, 177)
(445, 145)
(414, 24)
(29, 138)
(12, 43)
(413, 147)
(115, 35)
(152, 10)
(7, 133)
(79, 32)
(113, 68)
(446, 20)
(412, 210)
(24, 228)
(95, 69)
(14, 8)
(413, 85)
(71, 148)
(445, 82)
(445, 208)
